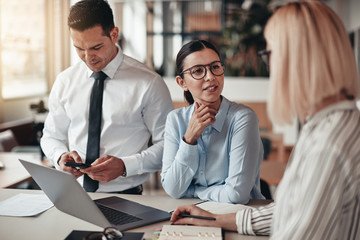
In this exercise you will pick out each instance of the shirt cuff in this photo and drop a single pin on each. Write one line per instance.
(56, 158)
(131, 165)
(243, 222)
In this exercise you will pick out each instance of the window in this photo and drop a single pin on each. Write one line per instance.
(236, 30)
(23, 44)
(29, 46)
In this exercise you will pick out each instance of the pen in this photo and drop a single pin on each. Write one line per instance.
(197, 203)
(194, 216)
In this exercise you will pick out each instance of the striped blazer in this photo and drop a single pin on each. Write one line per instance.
(319, 195)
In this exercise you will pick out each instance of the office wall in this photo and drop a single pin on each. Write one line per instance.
(353, 15)
(14, 109)
(348, 11)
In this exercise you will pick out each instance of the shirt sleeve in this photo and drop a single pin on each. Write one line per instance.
(180, 161)
(313, 193)
(255, 221)
(245, 157)
(54, 140)
(157, 104)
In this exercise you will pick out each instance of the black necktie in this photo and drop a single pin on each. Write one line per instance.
(95, 113)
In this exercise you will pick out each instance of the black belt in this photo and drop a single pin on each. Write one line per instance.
(135, 190)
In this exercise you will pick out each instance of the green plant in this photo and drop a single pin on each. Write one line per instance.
(243, 38)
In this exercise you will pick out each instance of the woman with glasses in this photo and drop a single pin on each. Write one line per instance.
(212, 148)
(313, 77)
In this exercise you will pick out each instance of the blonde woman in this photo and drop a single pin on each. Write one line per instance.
(314, 78)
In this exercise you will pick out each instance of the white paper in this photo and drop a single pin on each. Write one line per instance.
(25, 205)
(221, 208)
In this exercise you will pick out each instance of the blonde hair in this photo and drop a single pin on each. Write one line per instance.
(311, 60)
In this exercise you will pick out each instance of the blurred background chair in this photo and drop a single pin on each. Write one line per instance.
(8, 143)
(267, 147)
(265, 189)
(264, 186)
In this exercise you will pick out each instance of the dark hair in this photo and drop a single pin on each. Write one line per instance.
(86, 14)
(187, 49)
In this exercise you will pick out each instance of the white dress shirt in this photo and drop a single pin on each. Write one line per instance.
(136, 102)
(319, 195)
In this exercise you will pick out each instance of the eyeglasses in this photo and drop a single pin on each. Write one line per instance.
(265, 56)
(198, 72)
(109, 233)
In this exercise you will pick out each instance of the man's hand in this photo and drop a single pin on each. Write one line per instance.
(201, 118)
(72, 156)
(105, 169)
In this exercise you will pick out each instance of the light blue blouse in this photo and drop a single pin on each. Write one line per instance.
(223, 166)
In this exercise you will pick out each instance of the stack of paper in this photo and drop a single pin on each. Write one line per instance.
(184, 232)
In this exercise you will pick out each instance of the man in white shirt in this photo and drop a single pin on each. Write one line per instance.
(135, 104)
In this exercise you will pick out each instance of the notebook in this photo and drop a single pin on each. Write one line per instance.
(68, 196)
(178, 232)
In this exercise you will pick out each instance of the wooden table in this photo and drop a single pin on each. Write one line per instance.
(14, 173)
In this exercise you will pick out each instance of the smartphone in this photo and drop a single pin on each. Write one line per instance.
(77, 165)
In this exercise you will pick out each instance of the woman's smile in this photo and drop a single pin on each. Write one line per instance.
(211, 88)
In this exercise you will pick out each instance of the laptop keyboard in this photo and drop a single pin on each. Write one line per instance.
(116, 217)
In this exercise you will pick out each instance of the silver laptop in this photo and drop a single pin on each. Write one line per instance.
(68, 196)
